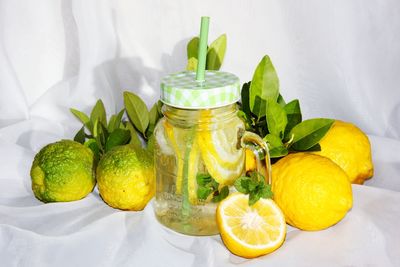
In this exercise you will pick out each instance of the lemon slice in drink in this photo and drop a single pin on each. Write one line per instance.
(218, 147)
(250, 231)
(177, 139)
(173, 137)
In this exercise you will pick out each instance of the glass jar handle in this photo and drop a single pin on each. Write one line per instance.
(259, 148)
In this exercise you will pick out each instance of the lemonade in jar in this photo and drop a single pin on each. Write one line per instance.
(200, 146)
(199, 149)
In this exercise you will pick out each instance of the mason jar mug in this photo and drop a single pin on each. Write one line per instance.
(200, 150)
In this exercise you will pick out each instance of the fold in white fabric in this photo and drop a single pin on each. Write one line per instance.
(340, 59)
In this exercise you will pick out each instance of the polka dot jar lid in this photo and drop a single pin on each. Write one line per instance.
(181, 90)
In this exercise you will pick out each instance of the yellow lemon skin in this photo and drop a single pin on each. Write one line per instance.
(250, 231)
(250, 164)
(125, 178)
(348, 147)
(313, 192)
(62, 171)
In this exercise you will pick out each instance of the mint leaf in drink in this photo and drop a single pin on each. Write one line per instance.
(203, 192)
(242, 184)
(206, 185)
(253, 198)
(253, 185)
(265, 191)
(203, 179)
(220, 195)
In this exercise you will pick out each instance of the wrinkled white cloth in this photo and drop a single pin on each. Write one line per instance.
(340, 58)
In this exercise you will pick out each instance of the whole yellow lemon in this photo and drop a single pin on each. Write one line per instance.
(348, 147)
(313, 192)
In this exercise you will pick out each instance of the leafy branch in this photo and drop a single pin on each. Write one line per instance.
(265, 112)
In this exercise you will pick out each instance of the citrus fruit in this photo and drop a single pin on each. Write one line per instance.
(348, 147)
(251, 160)
(125, 178)
(219, 151)
(62, 171)
(313, 192)
(250, 231)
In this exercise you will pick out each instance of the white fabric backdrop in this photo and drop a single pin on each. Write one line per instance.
(340, 58)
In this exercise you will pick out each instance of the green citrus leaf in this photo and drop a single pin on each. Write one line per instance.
(159, 108)
(80, 136)
(153, 119)
(137, 111)
(281, 101)
(259, 107)
(316, 147)
(275, 146)
(278, 152)
(111, 123)
(308, 133)
(265, 82)
(135, 141)
(83, 118)
(216, 53)
(115, 121)
(273, 141)
(276, 118)
(245, 98)
(98, 113)
(294, 117)
(246, 119)
(117, 138)
(192, 64)
(92, 144)
(192, 48)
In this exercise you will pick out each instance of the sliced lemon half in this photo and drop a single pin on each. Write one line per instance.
(250, 231)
